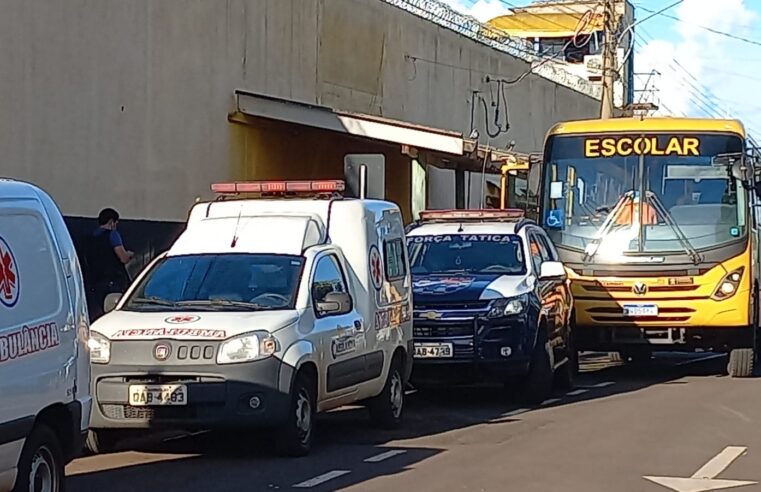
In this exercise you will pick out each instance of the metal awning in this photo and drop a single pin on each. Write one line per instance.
(357, 124)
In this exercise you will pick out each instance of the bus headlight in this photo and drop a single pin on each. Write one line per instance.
(728, 285)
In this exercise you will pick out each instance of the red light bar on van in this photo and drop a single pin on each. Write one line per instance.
(481, 214)
(279, 187)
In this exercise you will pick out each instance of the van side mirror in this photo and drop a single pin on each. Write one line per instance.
(334, 303)
(111, 301)
(552, 270)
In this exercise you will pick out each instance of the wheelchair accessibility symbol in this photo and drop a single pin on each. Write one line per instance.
(554, 219)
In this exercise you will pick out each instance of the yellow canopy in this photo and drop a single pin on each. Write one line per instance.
(531, 25)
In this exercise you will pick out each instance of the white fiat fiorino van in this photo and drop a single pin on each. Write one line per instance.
(44, 362)
(263, 312)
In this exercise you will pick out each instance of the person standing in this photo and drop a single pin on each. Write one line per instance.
(106, 259)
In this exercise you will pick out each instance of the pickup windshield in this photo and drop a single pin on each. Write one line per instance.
(235, 282)
(466, 253)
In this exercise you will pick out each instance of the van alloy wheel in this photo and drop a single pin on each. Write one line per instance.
(397, 394)
(304, 416)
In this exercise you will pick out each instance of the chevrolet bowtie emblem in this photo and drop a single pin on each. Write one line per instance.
(431, 315)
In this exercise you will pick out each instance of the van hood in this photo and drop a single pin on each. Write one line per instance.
(433, 289)
(130, 325)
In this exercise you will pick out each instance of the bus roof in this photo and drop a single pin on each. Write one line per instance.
(657, 124)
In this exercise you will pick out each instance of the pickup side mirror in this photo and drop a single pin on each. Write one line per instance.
(109, 304)
(334, 303)
(552, 270)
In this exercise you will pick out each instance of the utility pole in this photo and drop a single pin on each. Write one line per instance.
(609, 59)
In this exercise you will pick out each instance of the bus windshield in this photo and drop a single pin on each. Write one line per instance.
(617, 195)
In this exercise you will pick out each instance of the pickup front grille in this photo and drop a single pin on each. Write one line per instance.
(442, 331)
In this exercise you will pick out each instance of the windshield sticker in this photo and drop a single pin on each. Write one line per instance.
(185, 318)
(441, 286)
(493, 238)
(647, 146)
(555, 219)
(9, 279)
(29, 340)
(170, 332)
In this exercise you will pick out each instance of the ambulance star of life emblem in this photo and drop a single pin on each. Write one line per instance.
(9, 279)
(162, 351)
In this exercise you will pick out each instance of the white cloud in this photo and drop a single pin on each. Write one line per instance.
(483, 10)
(703, 54)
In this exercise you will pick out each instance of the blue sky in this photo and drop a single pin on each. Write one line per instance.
(699, 73)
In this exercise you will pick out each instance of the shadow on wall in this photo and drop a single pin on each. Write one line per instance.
(146, 238)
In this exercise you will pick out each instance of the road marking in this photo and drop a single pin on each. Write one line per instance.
(602, 385)
(550, 401)
(320, 479)
(515, 412)
(577, 392)
(384, 456)
(704, 479)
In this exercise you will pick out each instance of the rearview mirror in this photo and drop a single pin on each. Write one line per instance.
(111, 301)
(552, 270)
(334, 303)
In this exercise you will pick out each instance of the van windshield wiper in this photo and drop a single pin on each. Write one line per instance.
(224, 303)
(157, 301)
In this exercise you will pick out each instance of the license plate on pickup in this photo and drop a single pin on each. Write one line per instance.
(141, 395)
(433, 350)
(636, 310)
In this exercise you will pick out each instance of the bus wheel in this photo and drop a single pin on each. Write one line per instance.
(741, 363)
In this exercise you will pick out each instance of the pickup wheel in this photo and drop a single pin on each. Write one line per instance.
(41, 463)
(566, 374)
(537, 386)
(741, 362)
(387, 408)
(101, 441)
(295, 437)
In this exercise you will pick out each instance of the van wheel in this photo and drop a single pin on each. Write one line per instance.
(537, 386)
(741, 363)
(41, 464)
(101, 441)
(295, 437)
(387, 408)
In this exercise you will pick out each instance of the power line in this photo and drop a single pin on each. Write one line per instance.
(706, 28)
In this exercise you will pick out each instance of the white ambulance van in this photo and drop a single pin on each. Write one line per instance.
(263, 312)
(44, 362)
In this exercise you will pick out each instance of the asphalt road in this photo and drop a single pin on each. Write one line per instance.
(678, 420)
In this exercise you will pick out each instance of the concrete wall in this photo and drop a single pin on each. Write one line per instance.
(124, 102)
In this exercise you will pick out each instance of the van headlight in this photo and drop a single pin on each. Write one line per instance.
(247, 347)
(508, 307)
(728, 285)
(100, 348)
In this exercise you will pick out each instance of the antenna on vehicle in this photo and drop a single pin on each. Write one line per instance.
(235, 233)
(362, 181)
(483, 176)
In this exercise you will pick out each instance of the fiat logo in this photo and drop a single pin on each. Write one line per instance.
(161, 351)
(639, 289)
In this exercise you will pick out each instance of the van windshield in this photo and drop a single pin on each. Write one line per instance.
(466, 253)
(219, 282)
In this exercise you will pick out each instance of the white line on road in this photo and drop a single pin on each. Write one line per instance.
(515, 412)
(384, 456)
(602, 385)
(720, 462)
(550, 401)
(320, 479)
(577, 392)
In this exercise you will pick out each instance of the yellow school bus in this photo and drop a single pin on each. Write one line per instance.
(655, 221)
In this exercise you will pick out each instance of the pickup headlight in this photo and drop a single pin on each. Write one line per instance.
(508, 307)
(100, 348)
(728, 285)
(247, 347)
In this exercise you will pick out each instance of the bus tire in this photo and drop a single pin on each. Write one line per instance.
(741, 362)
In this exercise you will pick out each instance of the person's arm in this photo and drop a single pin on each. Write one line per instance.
(118, 245)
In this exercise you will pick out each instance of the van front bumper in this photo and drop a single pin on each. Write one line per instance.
(218, 396)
